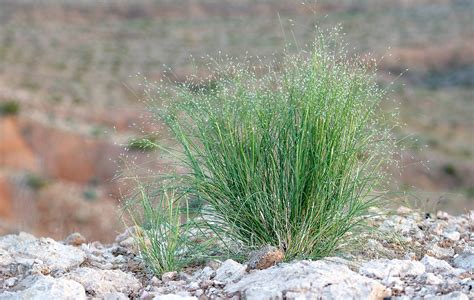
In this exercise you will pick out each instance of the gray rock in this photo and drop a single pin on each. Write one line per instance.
(465, 261)
(115, 296)
(230, 271)
(450, 296)
(46, 288)
(452, 235)
(204, 274)
(102, 282)
(307, 280)
(435, 265)
(440, 252)
(45, 251)
(382, 268)
(6, 258)
(432, 279)
(174, 297)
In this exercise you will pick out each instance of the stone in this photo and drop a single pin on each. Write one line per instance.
(452, 235)
(450, 296)
(214, 264)
(440, 252)
(382, 268)
(465, 261)
(169, 276)
(10, 282)
(102, 282)
(47, 287)
(403, 210)
(51, 254)
(174, 297)
(115, 296)
(6, 258)
(204, 274)
(307, 280)
(265, 257)
(435, 265)
(75, 239)
(230, 271)
(433, 279)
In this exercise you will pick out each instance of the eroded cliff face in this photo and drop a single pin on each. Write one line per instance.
(413, 255)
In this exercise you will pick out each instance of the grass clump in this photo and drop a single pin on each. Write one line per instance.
(288, 155)
(9, 108)
(165, 234)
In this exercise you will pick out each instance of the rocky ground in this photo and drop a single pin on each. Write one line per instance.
(413, 256)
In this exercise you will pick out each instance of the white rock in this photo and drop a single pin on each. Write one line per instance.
(307, 280)
(174, 297)
(6, 258)
(465, 261)
(409, 291)
(10, 282)
(440, 252)
(102, 282)
(452, 235)
(382, 268)
(403, 210)
(433, 279)
(435, 265)
(47, 287)
(392, 281)
(53, 255)
(115, 296)
(450, 296)
(442, 215)
(400, 224)
(230, 271)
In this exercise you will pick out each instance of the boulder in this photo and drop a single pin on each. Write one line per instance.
(47, 287)
(435, 265)
(230, 271)
(102, 282)
(307, 280)
(383, 268)
(50, 254)
(465, 261)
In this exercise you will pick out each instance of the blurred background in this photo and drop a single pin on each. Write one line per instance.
(69, 97)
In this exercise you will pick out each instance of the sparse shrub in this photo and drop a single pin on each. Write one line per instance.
(90, 194)
(35, 181)
(450, 170)
(9, 108)
(288, 155)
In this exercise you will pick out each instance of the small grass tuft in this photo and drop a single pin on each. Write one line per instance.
(35, 181)
(167, 237)
(9, 108)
